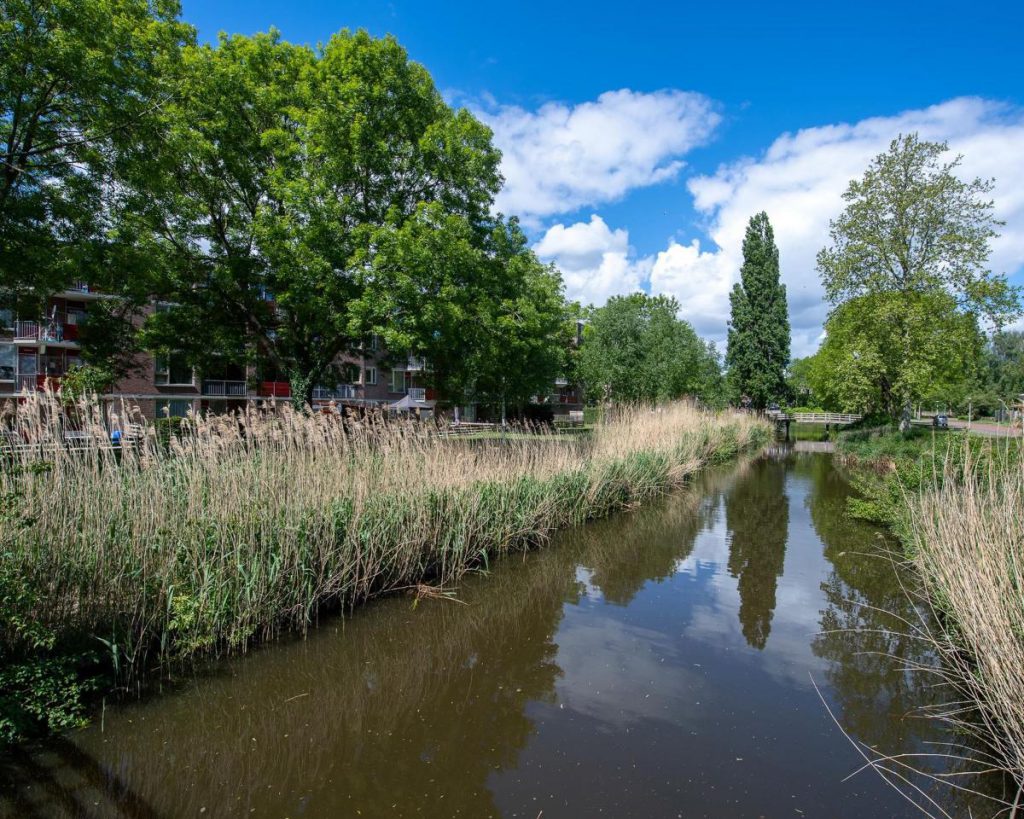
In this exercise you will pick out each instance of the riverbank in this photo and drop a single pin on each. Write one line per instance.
(647, 664)
(118, 565)
(956, 503)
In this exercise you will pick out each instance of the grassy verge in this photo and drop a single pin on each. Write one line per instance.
(956, 502)
(117, 565)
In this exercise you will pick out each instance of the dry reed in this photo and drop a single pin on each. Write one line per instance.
(967, 541)
(247, 524)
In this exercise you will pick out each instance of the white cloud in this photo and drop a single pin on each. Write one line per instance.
(560, 158)
(700, 281)
(594, 260)
(800, 179)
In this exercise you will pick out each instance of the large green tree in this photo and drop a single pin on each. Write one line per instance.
(485, 314)
(285, 172)
(636, 349)
(757, 354)
(858, 365)
(81, 86)
(907, 271)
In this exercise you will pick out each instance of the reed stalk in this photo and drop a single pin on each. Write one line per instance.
(244, 525)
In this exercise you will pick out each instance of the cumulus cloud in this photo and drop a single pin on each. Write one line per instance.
(800, 179)
(559, 158)
(700, 280)
(595, 261)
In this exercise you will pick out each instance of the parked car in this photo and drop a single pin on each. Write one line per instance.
(941, 421)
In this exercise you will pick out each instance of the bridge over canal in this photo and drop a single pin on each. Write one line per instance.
(829, 419)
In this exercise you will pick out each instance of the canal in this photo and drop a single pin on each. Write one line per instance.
(661, 663)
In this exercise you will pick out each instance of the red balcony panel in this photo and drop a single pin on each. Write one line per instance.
(71, 332)
(274, 389)
(431, 394)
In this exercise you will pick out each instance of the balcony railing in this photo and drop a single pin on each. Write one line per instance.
(561, 382)
(222, 387)
(418, 393)
(339, 393)
(48, 331)
(274, 389)
(37, 382)
(414, 365)
(28, 382)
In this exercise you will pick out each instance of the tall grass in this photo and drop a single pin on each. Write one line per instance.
(967, 541)
(247, 524)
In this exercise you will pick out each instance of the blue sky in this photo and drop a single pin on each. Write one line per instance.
(639, 138)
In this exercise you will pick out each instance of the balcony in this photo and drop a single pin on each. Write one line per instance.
(417, 393)
(415, 365)
(339, 393)
(274, 389)
(37, 382)
(561, 382)
(230, 389)
(57, 334)
(82, 291)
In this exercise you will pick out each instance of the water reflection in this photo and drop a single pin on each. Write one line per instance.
(757, 516)
(627, 671)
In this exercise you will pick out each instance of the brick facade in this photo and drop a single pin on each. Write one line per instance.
(37, 351)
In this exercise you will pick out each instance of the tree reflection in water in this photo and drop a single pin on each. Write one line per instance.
(757, 518)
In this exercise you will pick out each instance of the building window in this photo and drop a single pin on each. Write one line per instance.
(8, 361)
(397, 383)
(173, 408)
(370, 376)
(6, 319)
(173, 369)
(75, 315)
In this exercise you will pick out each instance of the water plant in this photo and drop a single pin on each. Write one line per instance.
(233, 528)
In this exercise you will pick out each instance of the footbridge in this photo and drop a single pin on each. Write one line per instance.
(783, 419)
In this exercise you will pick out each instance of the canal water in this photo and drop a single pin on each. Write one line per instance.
(661, 663)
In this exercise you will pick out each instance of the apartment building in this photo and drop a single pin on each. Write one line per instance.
(36, 352)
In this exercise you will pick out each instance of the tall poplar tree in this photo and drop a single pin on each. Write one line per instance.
(758, 347)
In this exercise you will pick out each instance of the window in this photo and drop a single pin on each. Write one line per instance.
(76, 315)
(375, 342)
(28, 363)
(397, 383)
(370, 376)
(173, 369)
(176, 408)
(8, 361)
(6, 318)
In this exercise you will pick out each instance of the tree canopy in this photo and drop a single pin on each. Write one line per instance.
(907, 274)
(81, 85)
(758, 346)
(287, 172)
(636, 349)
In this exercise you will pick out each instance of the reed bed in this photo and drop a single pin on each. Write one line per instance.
(967, 541)
(247, 524)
